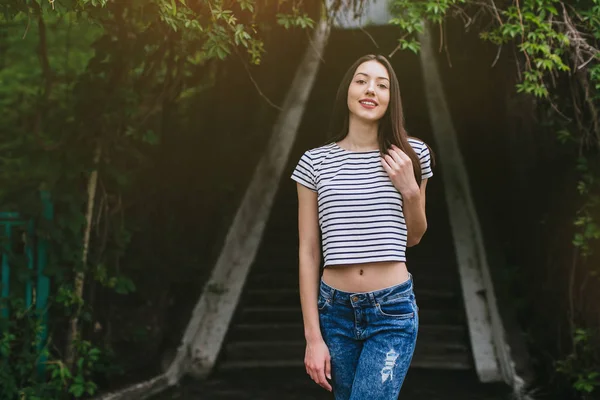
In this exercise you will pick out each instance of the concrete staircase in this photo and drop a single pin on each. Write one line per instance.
(267, 329)
(263, 352)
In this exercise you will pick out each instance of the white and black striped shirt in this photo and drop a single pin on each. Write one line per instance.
(360, 210)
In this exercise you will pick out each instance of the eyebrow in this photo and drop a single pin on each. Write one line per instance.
(367, 75)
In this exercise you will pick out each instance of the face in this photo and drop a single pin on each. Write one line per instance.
(369, 91)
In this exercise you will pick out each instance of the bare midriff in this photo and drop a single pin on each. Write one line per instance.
(365, 277)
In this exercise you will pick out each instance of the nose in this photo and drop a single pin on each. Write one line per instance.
(371, 88)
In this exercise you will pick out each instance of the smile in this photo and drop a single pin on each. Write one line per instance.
(368, 103)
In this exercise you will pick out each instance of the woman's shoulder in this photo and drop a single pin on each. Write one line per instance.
(417, 144)
(317, 155)
(415, 141)
(321, 151)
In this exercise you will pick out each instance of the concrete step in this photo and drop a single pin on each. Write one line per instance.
(290, 353)
(281, 381)
(284, 241)
(431, 361)
(295, 331)
(287, 278)
(276, 254)
(273, 314)
(285, 258)
(442, 299)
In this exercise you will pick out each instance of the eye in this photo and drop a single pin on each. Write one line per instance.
(383, 86)
(361, 81)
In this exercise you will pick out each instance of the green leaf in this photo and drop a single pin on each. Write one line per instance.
(150, 137)
(578, 240)
(124, 285)
(77, 389)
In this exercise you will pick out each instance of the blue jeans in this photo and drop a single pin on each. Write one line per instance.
(371, 339)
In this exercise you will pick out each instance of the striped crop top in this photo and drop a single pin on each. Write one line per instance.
(360, 210)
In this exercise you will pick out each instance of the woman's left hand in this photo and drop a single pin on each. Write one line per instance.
(400, 170)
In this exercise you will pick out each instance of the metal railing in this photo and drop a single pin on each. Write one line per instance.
(19, 237)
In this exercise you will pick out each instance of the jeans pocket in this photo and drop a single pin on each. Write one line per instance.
(399, 309)
(322, 303)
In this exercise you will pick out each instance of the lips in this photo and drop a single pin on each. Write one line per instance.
(368, 103)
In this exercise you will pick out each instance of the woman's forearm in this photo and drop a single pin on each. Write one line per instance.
(414, 215)
(309, 291)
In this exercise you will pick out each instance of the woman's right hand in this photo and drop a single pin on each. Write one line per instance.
(318, 363)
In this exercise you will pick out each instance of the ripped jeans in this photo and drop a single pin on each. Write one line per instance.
(371, 338)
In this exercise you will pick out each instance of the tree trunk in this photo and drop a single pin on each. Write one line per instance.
(80, 275)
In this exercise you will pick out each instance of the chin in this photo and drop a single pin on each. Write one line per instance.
(370, 118)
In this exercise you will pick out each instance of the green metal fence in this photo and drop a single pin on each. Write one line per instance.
(19, 233)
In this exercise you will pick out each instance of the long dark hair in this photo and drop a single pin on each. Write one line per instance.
(391, 125)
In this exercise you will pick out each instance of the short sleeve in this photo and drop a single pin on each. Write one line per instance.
(304, 172)
(425, 158)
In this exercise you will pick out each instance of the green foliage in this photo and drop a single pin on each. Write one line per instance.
(581, 366)
(86, 77)
(556, 44)
(587, 228)
(295, 19)
(409, 17)
(20, 350)
(534, 26)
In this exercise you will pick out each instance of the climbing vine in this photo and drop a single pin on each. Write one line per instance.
(556, 52)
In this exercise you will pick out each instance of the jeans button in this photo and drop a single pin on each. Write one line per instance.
(355, 298)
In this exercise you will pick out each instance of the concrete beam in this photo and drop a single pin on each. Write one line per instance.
(485, 326)
(491, 352)
(210, 319)
(372, 13)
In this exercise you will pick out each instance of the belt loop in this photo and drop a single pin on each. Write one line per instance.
(372, 298)
(333, 294)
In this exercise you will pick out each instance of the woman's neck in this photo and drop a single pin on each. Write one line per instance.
(362, 135)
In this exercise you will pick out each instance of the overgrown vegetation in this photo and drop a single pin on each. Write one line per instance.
(87, 88)
(554, 45)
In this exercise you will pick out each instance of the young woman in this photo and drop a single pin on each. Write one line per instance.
(363, 195)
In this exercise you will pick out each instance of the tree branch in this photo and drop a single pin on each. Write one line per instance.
(48, 79)
(256, 86)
